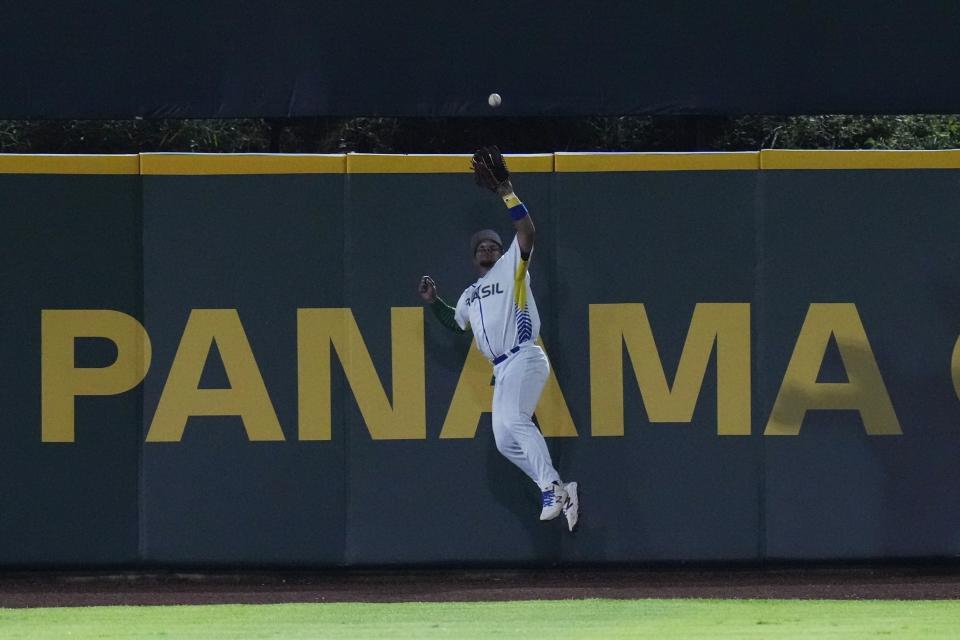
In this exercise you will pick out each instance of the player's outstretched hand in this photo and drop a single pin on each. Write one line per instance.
(489, 168)
(428, 289)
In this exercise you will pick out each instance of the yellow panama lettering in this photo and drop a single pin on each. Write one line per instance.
(864, 391)
(61, 382)
(474, 396)
(247, 396)
(317, 330)
(471, 399)
(613, 325)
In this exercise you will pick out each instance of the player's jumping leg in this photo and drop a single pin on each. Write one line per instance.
(518, 387)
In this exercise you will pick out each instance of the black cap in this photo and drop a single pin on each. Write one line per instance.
(480, 236)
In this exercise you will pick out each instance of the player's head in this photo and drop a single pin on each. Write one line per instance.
(486, 248)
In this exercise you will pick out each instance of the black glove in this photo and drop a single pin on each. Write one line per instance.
(489, 169)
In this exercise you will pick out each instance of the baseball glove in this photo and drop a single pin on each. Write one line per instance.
(489, 169)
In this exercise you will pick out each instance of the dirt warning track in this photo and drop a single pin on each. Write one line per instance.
(48, 589)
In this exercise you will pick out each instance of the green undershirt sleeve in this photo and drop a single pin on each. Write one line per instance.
(445, 314)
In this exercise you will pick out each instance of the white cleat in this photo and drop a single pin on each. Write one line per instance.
(553, 498)
(571, 508)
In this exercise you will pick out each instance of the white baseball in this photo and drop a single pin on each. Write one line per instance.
(494, 100)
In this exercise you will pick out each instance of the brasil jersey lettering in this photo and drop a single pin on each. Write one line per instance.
(499, 307)
(485, 291)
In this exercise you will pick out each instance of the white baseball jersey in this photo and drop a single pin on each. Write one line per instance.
(499, 307)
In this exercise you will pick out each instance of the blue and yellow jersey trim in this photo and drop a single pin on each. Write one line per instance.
(522, 316)
(519, 285)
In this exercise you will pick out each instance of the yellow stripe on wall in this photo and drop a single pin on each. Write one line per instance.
(452, 163)
(531, 163)
(202, 164)
(71, 164)
(253, 164)
(775, 159)
(599, 162)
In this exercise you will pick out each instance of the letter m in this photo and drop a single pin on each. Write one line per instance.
(726, 325)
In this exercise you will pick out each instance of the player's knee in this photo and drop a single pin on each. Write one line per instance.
(518, 423)
(501, 434)
(504, 444)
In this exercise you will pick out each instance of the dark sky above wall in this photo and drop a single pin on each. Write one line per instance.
(253, 58)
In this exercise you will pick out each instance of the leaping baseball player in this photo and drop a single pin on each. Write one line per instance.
(500, 309)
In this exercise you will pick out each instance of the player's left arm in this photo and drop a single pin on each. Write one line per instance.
(522, 222)
(490, 171)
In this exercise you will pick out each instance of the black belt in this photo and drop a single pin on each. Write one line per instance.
(503, 357)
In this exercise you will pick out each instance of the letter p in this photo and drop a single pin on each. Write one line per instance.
(61, 381)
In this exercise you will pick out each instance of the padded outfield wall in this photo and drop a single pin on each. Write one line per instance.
(222, 360)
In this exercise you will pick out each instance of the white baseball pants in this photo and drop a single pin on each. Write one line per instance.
(518, 383)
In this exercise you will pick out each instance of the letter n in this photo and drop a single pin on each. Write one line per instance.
(318, 330)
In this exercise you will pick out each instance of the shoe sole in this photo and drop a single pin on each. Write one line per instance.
(573, 498)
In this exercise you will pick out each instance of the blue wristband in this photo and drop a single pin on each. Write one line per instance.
(519, 212)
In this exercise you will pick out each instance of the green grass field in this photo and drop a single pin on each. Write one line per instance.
(530, 620)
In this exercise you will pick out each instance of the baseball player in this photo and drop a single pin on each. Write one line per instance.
(500, 309)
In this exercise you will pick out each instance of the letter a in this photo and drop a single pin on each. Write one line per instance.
(247, 396)
(474, 396)
(864, 391)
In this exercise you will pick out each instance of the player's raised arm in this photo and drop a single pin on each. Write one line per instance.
(491, 172)
(522, 221)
